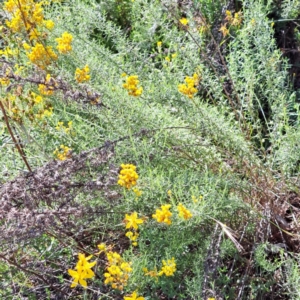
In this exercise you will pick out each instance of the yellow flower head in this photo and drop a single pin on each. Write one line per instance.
(163, 215)
(7, 52)
(118, 271)
(128, 176)
(26, 15)
(102, 247)
(237, 20)
(49, 24)
(224, 30)
(34, 35)
(184, 21)
(131, 85)
(63, 152)
(189, 88)
(229, 17)
(134, 296)
(195, 200)
(40, 55)
(132, 221)
(184, 212)
(82, 271)
(83, 74)
(168, 268)
(133, 236)
(4, 81)
(137, 192)
(37, 98)
(64, 43)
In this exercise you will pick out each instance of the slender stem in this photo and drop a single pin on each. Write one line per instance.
(14, 138)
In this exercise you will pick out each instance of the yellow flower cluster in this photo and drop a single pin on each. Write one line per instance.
(184, 212)
(118, 271)
(163, 215)
(9, 52)
(4, 81)
(26, 23)
(49, 24)
(131, 85)
(31, 106)
(134, 296)
(45, 90)
(133, 236)
(137, 192)
(63, 152)
(189, 88)
(195, 200)
(82, 271)
(64, 43)
(102, 248)
(151, 273)
(128, 176)
(37, 98)
(132, 221)
(40, 55)
(26, 16)
(46, 111)
(82, 75)
(173, 56)
(168, 269)
(235, 20)
(60, 127)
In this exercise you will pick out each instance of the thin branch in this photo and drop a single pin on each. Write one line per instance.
(22, 154)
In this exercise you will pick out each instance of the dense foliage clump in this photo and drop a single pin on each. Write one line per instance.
(149, 150)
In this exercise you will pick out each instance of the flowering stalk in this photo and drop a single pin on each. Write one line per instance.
(132, 221)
